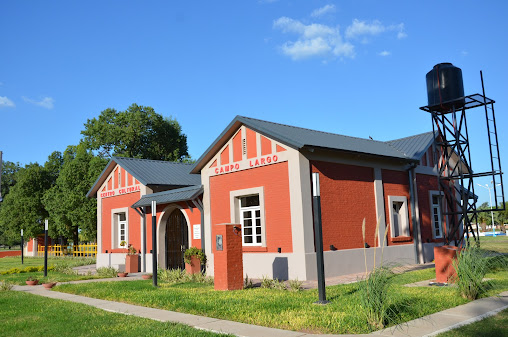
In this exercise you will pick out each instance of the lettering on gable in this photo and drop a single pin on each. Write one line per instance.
(120, 191)
(247, 164)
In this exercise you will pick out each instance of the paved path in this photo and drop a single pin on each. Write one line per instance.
(426, 326)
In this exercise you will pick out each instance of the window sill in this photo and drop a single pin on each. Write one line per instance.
(119, 250)
(402, 239)
(254, 249)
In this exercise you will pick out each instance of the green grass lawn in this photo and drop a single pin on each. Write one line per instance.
(24, 314)
(285, 309)
(8, 263)
(496, 244)
(494, 326)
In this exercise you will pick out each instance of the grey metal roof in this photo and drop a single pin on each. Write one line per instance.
(413, 146)
(166, 197)
(150, 172)
(158, 172)
(297, 138)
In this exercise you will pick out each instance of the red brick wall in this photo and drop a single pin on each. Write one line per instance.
(396, 183)
(134, 220)
(275, 180)
(425, 184)
(347, 197)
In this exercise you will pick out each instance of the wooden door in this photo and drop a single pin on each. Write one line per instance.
(177, 240)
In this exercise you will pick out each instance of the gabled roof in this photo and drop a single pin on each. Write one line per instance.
(150, 172)
(298, 138)
(166, 197)
(413, 146)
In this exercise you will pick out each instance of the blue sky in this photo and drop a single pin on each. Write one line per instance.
(350, 67)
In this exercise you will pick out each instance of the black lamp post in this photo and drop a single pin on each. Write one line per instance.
(318, 237)
(154, 243)
(46, 248)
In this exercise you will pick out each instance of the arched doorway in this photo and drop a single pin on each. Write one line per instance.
(177, 240)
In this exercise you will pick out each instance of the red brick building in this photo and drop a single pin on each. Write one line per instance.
(258, 174)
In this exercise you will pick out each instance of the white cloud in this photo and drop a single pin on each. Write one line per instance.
(464, 52)
(322, 11)
(362, 28)
(6, 103)
(359, 28)
(385, 53)
(314, 40)
(45, 102)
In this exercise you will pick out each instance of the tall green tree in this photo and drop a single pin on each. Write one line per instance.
(22, 207)
(138, 132)
(69, 208)
(9, 170)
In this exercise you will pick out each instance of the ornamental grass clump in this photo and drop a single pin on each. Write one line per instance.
(107, 272)
(373, 292)
(471, 266)
(5, 286)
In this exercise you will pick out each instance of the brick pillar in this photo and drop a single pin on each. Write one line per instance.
(228, 262)
(443, 257)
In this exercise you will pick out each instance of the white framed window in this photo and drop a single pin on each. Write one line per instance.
(435, 214)
(122, 229)
(250, 219)
(399, 217)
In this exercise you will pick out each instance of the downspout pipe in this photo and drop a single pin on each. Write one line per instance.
(199, 206)
(142, 213)
(413, 195)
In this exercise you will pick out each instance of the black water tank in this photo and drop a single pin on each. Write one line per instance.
(445, 87)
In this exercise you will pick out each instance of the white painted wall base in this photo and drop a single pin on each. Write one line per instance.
(428, 251)
(337, 263)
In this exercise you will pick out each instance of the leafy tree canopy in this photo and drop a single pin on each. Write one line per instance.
(138, 132)
(22, 206)
(66, 201)
(9, 170)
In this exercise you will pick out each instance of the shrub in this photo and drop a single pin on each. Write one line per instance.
(171, 275)
(279, 285)
(5, 286)
(295, 285)
(194, 251)
(267, 282)
(247, 283)
(107, 272)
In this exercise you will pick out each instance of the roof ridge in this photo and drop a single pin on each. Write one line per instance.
(153, 160)
(325, 132)
(417, 135)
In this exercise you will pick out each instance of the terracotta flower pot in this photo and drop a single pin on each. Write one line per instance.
(146, 277)
(132, 263)
(194, 267)
(32, 283)
(49, 285)
(122, 274)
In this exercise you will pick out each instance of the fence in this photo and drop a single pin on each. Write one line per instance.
(64, 250)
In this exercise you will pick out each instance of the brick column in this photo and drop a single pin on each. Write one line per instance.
(443, 257)
(228, 262)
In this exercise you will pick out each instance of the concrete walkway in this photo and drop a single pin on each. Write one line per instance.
(426, 326)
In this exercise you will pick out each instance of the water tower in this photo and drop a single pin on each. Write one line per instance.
(449, 109)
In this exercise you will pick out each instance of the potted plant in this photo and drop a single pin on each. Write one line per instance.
(194, 258)
(146, 276)
(49, 283)
(32, 281)
(132, 260)
(122, 274)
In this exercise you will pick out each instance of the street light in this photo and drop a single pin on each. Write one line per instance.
(491, 212)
